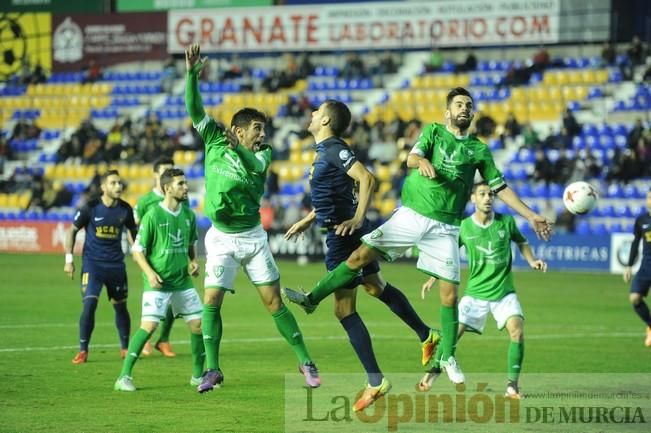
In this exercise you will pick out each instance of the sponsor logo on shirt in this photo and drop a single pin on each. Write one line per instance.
(346, 156)
(376, 234)
(98, 219)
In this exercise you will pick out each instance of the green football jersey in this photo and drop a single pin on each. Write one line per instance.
(233, 188)
(165, 238)
(145, 203)
(489, 256)
(455, 161)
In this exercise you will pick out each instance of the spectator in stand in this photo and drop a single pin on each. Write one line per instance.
(113, 146)
(646, 77)
(643, 154)
(305, 66)
(468, 65)
(570, 123)
(484, 125)
(586, 167)
(563, 167)
(625, 167)
(169, 76)
(354, 67)
(386, 64)
(608, 54)
(70, 149)
(542, 168)
(530, 136)
(232, 69)
(635, 134)
(435, 61)
(637, 52)
(541, 60)
(6, 153)
(92, 72)
(511, 126)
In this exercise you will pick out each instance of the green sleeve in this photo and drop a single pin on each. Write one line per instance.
(145, 235)
(425, 143)
(140, 208)
(489, 170)
(193, 102)
(257, 162)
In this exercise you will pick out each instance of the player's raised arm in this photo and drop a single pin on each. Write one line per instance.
(193, 64)
(541, 225)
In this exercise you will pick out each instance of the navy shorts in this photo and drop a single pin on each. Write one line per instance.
(93, 278)
(641, 283)
(341, 247)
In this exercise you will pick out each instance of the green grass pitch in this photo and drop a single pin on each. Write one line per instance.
(575, 322)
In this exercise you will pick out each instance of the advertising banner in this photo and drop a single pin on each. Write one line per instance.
(53, 5)
(620, 245)
(159, 5)
(36, 236)
(366, 25)
(570, 252)
(25, 37)
(107, 39)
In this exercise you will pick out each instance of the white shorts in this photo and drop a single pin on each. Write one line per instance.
(185, 303)
(226, 252)
(473, 311)
(437, 243)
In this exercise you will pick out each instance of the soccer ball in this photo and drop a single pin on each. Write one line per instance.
(580, 197)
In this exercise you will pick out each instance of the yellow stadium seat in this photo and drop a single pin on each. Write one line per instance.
(601, 76)
(307, 157)
(575, 77)
(23, 200)
(283, 173)
(296, 173)
(588, 77)
(550, 78)
(178, 157)
(581, 93)
(382, 173)
(12, 200)
(387, 206)
(4, 199)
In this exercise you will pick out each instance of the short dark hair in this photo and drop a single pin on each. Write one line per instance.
(244, 117)
(106, 174)
(456, 92)
(162, 160)
(477, 185)
(339, 115)
(168, 176)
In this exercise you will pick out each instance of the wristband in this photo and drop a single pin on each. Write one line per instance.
(69, 258)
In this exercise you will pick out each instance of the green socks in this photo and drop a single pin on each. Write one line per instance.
(211, 326)
(198, 354)
(288, 328)
(166, 326)
(449, 329)
(339, 277)
(515, 358)
(133, 352)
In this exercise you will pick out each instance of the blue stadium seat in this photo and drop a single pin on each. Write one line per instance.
(599, 229)
(630, 191)
(555, 190)
(615, 191)
(595, 92)
(583, 228)
(607, 211)
(615, 228)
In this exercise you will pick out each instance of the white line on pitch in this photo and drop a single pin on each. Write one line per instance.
(339, 337)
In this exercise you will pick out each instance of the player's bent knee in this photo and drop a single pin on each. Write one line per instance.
(635, 298)
(149, 326)
(195, 326)
(361, 257)
(372, 289)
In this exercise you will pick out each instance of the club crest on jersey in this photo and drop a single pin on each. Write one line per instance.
(177, 240)
(501, 233)
(218, 271)
(376, 234)
(346, 156)
(159, 302)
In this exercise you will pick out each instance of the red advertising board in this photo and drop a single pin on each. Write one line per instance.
(107, 38)
(36, 236)
(414, 24)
